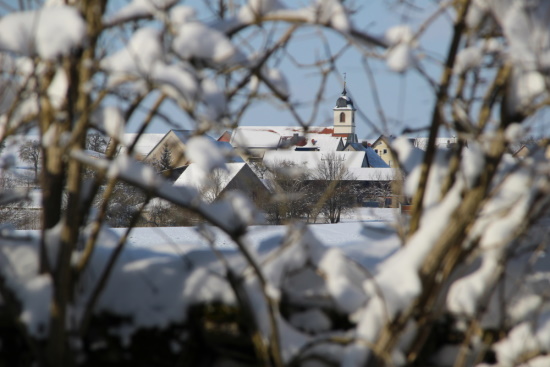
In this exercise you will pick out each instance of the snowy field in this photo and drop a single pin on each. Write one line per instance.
(366, 236)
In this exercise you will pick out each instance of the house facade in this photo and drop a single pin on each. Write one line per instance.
(382, 148)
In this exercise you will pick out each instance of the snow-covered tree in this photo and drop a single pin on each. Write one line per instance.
(467, 284)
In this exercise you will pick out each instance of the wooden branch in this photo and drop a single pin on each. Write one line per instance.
(438, 116)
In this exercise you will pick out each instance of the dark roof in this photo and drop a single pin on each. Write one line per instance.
(373, 159)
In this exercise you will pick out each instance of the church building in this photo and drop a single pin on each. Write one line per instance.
(255, 141)
(344, 117)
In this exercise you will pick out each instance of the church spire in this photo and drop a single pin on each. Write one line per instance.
(344, 91)
(344, 116)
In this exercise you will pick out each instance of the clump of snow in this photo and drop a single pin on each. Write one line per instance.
(137, 58)
(409, 156)
(333, 13)
(312, 320)
(524, 339)
(213, 98)
(399, 34)
(540, 361)
(41, 32)
(515, 132)
(256, 8)
(35, 294)
(465, 292)
(244, 208)
(137, 9)
(57, 91)
(129, 169)
(205, 154)
(347, 296)
(197, 40)
(181, 14)
(525, 88)
(468, 58)
(477, 13)
(110, 119)
(525, 27)
(472, 164)
(400, 56)
(19, 268)
(176, 81)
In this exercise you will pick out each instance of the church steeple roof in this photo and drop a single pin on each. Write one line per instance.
(344, 101)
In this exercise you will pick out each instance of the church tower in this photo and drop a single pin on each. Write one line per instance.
(344, 115)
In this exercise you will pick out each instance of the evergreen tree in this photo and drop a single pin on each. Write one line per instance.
(164, 162)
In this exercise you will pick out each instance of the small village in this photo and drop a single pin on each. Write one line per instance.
(284, 170)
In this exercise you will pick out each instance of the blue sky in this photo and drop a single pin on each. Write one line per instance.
(406, 99)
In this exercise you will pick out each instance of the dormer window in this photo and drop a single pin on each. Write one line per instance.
(342, 117)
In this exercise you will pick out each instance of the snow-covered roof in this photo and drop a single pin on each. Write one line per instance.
(322, 142)
(441, 143)
(145, 144)
(228, 151)
(255, 137)
(311, 160)
(194, 176)
(373, 159)
(344, 102)
(274, 137)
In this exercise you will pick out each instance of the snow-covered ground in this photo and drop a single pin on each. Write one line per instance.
(367, 237)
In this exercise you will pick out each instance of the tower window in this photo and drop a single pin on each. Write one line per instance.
(342, 117)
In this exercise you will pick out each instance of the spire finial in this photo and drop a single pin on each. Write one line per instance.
(344, 91)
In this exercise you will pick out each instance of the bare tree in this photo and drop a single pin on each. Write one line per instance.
(291, 200)
(96, 142)
(336, 187)
(30, 152)
(213, 185)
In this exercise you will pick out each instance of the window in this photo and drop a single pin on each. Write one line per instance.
(342, 117)
(385, 151)
(376, 151)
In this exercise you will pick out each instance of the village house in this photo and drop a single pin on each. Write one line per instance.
(235, 176)
(381, 147)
